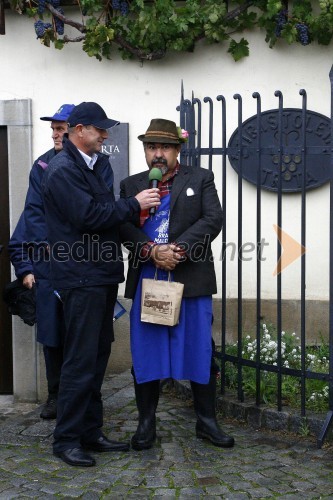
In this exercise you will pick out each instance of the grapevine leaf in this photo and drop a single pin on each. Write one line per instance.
(240, 49)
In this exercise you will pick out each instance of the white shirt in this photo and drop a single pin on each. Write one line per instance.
(90, 160)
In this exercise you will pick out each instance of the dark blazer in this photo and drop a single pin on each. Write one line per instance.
(83, 218)
(195, 221)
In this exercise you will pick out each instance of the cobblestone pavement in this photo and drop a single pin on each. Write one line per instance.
(262, 464)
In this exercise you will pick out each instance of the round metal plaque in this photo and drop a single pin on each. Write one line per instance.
(296, 156)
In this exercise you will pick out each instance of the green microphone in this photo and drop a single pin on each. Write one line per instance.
(155, 176)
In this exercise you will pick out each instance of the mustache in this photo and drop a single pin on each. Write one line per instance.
(159, 160)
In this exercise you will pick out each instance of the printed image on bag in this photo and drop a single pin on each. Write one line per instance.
(161, 301)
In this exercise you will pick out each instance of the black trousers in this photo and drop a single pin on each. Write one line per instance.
(88, 313)
(53, 362)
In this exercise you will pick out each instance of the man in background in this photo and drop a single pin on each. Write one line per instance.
(28, 250)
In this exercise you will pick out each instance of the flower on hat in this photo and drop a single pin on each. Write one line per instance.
(182, 134)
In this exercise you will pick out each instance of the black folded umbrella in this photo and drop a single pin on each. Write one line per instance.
(21, 301)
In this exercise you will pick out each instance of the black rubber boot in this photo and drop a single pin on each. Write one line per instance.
(147, 395)
(204, 396)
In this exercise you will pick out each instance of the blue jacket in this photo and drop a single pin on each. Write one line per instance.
(83, 221)
(19, 251)
(27, 236)
(36, 232)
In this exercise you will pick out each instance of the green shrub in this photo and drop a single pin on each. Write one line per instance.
(316, 360)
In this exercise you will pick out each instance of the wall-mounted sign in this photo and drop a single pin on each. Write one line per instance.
(116, 146)
(290, 161)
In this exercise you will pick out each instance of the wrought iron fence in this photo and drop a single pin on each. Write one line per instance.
(191, 111)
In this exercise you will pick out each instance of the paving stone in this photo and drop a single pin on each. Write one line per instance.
(261, 493)
(162, 493)
(157, 482)
(302, 485)
(190, 492)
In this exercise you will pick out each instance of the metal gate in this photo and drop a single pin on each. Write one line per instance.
(217, 148)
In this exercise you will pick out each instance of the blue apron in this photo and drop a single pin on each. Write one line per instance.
(184, 351)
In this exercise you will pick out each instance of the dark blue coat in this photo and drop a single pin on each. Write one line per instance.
(83, 221)
(29, 232)
(18, 250)
(31, 226)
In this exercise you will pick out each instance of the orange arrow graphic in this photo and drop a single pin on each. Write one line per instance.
(292, 250)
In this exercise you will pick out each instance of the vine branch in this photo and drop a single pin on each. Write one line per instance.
(147, 30)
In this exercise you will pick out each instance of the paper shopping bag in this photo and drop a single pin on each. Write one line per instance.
(161, 301)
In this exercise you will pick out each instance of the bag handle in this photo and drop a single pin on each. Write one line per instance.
(169, 276)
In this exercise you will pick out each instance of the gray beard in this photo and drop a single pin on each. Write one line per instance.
(164, 169)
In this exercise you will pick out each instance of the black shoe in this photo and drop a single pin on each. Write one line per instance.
(211, 431)
(104, 444)
(49, 410)
(76, 457)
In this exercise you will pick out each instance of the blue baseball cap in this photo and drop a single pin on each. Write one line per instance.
(61, 115)
(90, 113)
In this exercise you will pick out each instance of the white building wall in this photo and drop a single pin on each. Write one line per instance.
(133, 92)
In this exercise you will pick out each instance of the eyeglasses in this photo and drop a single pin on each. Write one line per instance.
(164, 147)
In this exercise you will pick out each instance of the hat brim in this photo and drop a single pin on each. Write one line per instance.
(160, 140)
(56, 118)
(104, 124)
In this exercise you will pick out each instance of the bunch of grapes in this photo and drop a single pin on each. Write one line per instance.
(41, 6)
(124, 8)
(303, 33)
(41, 27)
(120, 5)
(281, 20)
(59, 24)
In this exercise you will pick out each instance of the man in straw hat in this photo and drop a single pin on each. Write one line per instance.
(83, 221)
(176, 238)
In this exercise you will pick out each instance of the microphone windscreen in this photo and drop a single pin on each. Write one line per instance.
(155, 174)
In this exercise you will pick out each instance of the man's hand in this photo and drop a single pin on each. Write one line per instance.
(149, 198)
(29, 281)
(166, 256)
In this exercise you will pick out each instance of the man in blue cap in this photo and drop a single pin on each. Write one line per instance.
(29, 239)
(83, 220)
